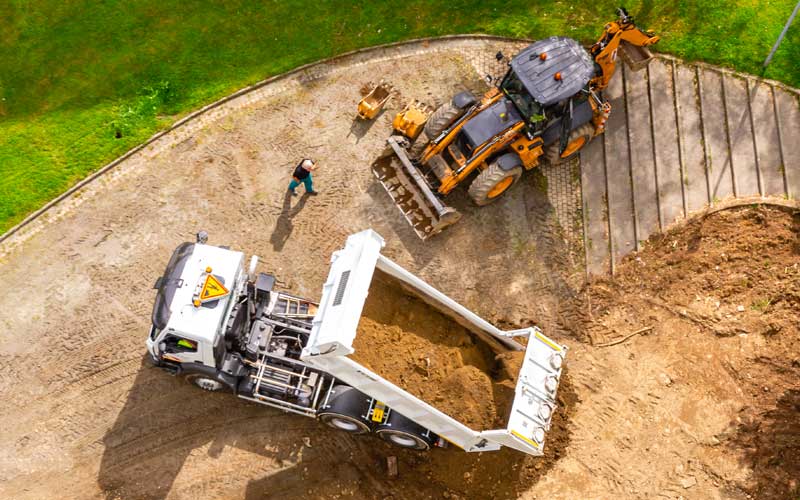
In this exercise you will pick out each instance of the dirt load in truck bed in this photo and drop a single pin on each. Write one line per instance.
(414, 346)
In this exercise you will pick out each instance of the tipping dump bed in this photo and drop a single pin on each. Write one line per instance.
(334, 330)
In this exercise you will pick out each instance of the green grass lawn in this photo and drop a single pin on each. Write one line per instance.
(82, 82)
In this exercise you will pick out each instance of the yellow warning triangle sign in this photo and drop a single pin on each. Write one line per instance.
(212, 289)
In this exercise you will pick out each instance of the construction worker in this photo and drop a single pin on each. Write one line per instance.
(302, 173)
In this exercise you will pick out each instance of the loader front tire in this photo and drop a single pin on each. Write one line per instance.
(416, 149)
(493, 182)
(578, 139)
(442, 118)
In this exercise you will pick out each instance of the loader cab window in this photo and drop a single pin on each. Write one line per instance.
(179, 344)
(527, 106)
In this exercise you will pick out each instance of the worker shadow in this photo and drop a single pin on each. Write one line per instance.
(166, 423)
(284, 225)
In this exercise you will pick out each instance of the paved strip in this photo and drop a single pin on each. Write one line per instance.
(718, 158)
(740, 133)
(788, 113)
(643, 169)
(665, 139)
(690, 136)
(768, 147)
(595, 209)
(618, 172)
(695, 183)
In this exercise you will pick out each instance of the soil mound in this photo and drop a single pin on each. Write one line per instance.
(414, 346)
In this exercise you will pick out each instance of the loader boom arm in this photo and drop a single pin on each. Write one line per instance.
(615, 35)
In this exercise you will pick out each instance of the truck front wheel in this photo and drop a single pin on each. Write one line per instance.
(205, 382)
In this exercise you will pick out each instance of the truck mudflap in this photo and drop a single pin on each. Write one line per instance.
(335, 328)
(534, 396)
(422, 208)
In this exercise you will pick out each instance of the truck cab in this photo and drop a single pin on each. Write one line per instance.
(193, 300)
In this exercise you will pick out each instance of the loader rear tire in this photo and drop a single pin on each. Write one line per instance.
(493, 182)
(578, 139)
(442, 118)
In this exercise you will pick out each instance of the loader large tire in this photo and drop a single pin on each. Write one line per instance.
(493, 182)
(416, 149)
(442, 118)
(578, 139)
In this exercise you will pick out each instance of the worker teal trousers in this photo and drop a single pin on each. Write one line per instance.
(306, 182)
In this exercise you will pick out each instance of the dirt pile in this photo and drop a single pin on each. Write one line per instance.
(419, 349)
(728, 279)
(733, 272)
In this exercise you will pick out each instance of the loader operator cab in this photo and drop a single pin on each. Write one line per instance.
(532, 111)
(545, 83)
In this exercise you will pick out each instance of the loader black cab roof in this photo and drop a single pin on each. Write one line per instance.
(562, 55)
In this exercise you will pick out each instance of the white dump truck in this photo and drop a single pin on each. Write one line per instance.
(223, 327)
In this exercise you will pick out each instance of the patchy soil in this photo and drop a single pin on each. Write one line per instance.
(703, 406)
(722, 295)
(416, 347)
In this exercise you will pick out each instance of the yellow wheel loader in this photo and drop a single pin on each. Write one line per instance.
(550, 103)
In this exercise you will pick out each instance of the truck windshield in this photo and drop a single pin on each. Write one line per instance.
(513, 88)
(169, 282)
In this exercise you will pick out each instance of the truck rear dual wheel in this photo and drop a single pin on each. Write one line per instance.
(405, 433)
(493, 182)
(578, 139)
(345, 410)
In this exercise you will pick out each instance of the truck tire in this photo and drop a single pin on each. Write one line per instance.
(405, 433)
(205, 382)
(442, 118)
(578, 139)
(345, 410)
(493, 182)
